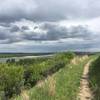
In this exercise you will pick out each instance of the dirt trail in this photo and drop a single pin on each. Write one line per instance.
(85, 92)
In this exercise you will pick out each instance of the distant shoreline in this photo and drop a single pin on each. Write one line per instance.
(3, 60)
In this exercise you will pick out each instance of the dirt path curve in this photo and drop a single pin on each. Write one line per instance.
(85, 92)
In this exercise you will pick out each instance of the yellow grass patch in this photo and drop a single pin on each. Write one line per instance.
(52, 86)
(24, 95)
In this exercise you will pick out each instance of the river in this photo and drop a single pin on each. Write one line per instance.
(3, 60)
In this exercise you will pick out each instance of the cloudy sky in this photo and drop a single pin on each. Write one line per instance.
(49, 25)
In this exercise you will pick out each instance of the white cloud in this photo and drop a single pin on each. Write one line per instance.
(32, 24)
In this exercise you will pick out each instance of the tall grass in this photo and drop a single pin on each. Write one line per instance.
(63, 85)
(95, 78)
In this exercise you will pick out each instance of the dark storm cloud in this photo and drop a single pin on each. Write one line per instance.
(36, 27)
(80, 32)
(25, 28)
(4, 24)
(48, 10)
(4, 34)
(55, 32)
(15, 28)
(12, 10)
(7, 35)
(14, 34)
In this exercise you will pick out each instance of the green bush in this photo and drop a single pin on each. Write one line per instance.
(38, 71)
(32, 74)
(11, 79)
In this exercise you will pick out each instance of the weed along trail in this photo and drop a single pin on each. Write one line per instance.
(85, 92)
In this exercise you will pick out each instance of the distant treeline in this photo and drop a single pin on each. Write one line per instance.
(4, 55)
(86, 53)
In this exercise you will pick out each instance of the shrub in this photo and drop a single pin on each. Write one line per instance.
(11, 79)
(32, 74)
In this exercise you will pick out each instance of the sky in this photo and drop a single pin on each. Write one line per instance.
(49, 25)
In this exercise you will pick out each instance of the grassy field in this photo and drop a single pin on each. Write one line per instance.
(63, 85)
(54, 78)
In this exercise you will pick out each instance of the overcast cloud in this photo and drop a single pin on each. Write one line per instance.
(49, 25)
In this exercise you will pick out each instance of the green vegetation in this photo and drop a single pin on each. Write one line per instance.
(63, 85)
(11, 80)
(14, 76)
(95, 78)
